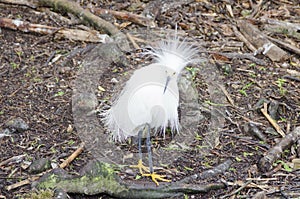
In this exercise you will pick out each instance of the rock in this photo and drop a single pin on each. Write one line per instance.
(17, 125)
(5, 132)
(40, 165)
(60, 194)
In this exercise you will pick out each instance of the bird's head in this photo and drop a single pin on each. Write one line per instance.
(170, 75)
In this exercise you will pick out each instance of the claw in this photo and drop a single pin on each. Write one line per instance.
(141, 167)
(154, 176)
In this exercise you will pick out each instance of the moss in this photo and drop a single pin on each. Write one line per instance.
(41, 194)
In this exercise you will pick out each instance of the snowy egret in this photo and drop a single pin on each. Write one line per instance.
(150, 99)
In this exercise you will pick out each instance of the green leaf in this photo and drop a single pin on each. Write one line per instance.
(59, 93)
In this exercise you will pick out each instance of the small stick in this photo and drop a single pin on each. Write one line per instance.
(22, 183)
(62, 165)
(237, 190)
(72, 157)
(243, 39)
(12, 159)
(135, 45)
(270, 119)
(138, 19)
(227, 95)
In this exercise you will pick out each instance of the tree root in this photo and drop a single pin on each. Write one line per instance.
(100, 178)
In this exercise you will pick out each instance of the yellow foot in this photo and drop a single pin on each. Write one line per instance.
(156, 177)
(141, 167)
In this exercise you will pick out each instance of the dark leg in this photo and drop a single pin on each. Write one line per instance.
(148, 142)
(140, 165)
(155, 177)
(140, 144)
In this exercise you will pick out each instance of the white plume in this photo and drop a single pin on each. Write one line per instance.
(145, 98)
(173, 53)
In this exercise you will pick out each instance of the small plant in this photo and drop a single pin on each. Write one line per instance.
(71, 142)
(198, 137)
(238, 159)
(188, 168)
(193, 71)
(286, 167)
(245, 154)
(14, 65)
(246, 87)
(232, 169)
(280, 82)
(212, 103)
(252, 65)
(59, 93)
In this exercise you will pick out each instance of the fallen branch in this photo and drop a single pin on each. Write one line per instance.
(266, 162)
(29, 3)
(281, 27)
(211, 173)
(138, 19)
(72, 34)
(84, 15)
(260, 41)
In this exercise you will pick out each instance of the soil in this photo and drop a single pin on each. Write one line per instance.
(37, 71)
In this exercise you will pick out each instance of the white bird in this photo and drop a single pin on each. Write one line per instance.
(150, 98)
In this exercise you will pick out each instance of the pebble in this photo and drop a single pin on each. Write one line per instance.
(17, 125)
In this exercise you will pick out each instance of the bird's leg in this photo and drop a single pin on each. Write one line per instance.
(140, 165)
(154, 176)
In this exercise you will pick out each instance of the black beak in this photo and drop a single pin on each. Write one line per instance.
(167, 82)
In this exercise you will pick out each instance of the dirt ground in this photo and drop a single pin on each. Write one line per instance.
(36, 73)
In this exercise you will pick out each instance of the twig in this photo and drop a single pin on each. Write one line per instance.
(270, 119)
(227, 95)
(72, 157)
(34, 178)
(22, 183)
(138, 19)
(257, 9)
(135, 45)
(17, 158)
(237, 190)
(239, 35)
(244, 56)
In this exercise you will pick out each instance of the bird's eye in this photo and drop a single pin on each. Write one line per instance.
(174, 73)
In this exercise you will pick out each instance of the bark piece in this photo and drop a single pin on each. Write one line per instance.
(260, 41)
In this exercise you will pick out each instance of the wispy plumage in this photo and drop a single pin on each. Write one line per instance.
(148, 98)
